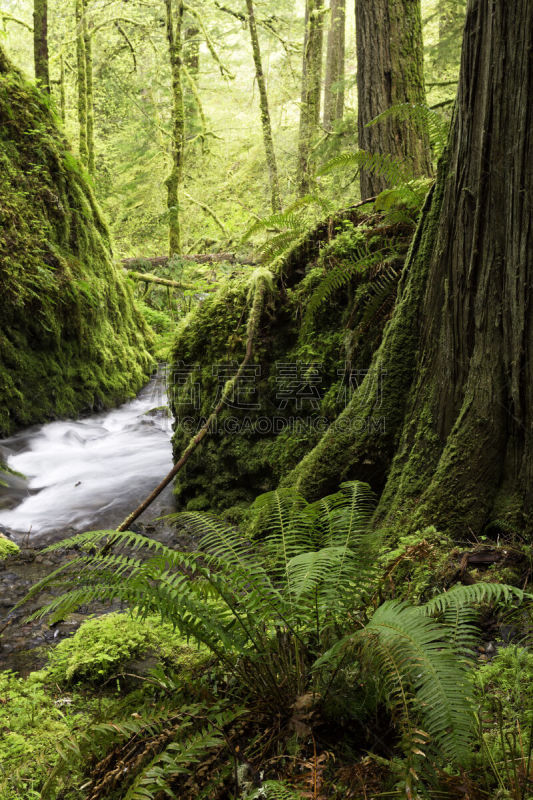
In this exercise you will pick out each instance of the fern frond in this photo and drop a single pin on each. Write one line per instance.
(341, 274)
(423, 118)
(217, 538)
(393, 169)
(416, 661)
(461, 596)
(275, 790)
(279, 245)
(380, 291)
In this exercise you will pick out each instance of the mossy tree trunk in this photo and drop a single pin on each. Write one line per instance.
(311, 90)
(88, 50)
(265, 112)
(456, 361)
(81, 65)
(40, 43)
(174, 19)
(390, 71)
(334, 80)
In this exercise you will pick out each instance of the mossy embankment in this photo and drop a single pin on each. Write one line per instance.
(305, 366)
(71, 338)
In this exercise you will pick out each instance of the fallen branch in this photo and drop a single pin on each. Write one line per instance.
(260, 285)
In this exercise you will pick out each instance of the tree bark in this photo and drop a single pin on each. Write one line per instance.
(334, 80)
(390, 71)
(40, 44)
(81, 64)
(173, 182)
(457, 357)
(311, 90)
(265, 112)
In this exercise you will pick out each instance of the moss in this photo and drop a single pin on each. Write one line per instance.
(32, 720)
(7, 547)
(163, 327)
(254, 448)
(71, 338)
(102, 645)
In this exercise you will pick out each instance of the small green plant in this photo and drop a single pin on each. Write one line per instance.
(504, 688)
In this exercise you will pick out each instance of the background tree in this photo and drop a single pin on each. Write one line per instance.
(390, 71)
(40, 43)
(451, 17)
(334, 80)
(311, 90)
(81, 61)
(174, 19)
(265, 111)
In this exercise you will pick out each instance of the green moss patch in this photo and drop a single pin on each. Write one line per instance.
(7, 547)
(104, 644)
(303, 370)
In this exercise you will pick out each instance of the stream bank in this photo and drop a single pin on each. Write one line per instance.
(78, 475)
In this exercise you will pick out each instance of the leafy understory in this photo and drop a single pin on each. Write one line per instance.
(294, 623)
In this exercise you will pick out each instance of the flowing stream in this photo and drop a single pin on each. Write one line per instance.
(87, 474)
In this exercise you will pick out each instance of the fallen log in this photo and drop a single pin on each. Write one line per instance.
(146, 277)
(201, 258)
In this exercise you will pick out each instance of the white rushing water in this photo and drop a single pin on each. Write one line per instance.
(88, 473)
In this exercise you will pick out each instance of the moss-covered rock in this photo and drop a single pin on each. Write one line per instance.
(71, 338)
(101, 647)
(303, 369)
(7, 547)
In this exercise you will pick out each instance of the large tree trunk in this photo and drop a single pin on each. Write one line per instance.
(390, 71)
(40, 43)
(265, 112)
(173, 182)
(334, 80)
(311, 90)
(456, 364)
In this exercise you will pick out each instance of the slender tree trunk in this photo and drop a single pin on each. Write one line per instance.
(81, 64)
(311, 90)
(40, 43)
(390, 71)
(456, 361)
(334, 80)
(265, 113)
(173, 182)
(451, 22)
(191, 49)
(62, 100)
(88, 49)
